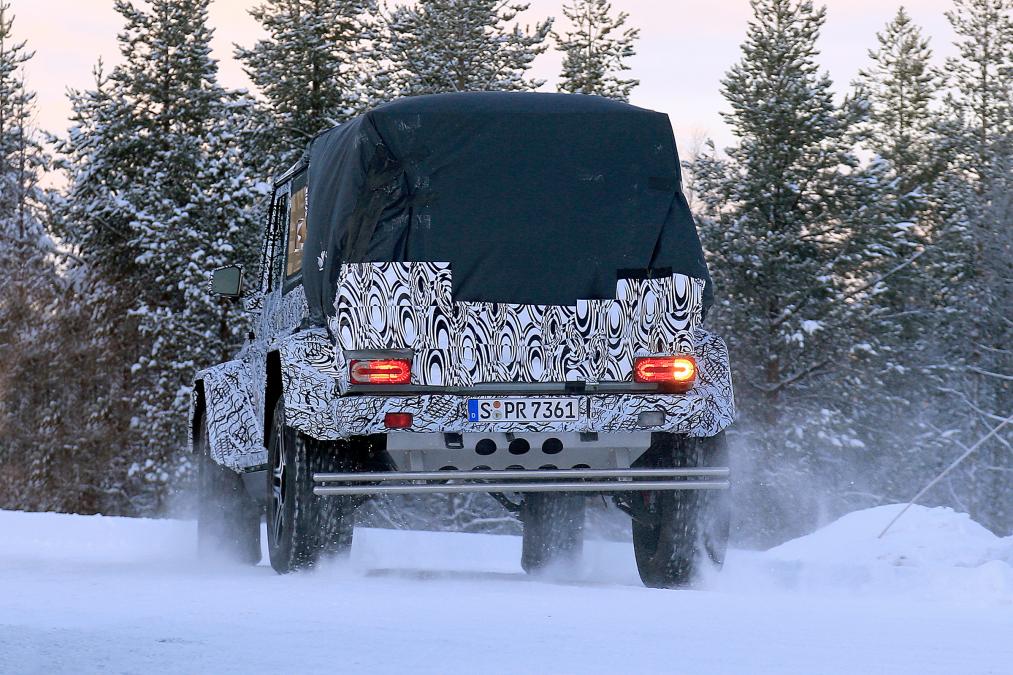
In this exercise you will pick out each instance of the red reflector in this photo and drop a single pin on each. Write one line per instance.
(397, 420)
(380, 371)
(676, 373)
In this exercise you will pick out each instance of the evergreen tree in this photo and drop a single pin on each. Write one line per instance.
(978, 188)
(595, 51)
(906, 247)
(26, 283)
(55, 412)
(155, 159)
(981, 80)
(439, 46)
(779, 223)
(21, 155)
(102, 159)
(310, 71)
(900, 87)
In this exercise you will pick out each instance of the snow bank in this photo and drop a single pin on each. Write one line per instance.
(100, 594)
(930, 553)
(69, 538)
(923, 537)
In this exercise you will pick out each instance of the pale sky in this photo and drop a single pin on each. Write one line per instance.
(685, 48)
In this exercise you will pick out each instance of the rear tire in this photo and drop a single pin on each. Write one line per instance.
(553, 530)
(300, 525)
(676, 533)
(228, 519)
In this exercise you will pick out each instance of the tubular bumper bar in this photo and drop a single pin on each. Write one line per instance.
(534, 480)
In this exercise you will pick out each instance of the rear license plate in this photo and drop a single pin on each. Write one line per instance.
(523, 409)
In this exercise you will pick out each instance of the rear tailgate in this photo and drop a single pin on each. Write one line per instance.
(408, 306)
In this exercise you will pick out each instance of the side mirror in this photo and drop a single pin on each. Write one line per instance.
(227, 282)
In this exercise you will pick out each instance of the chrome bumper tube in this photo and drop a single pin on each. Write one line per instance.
(547, 480)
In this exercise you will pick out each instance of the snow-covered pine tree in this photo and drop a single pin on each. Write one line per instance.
(26, 284)
(310, 69)
(194, 208)
(978, 189)
(595, 50)
(53, 417)
(155, 156)
(981, 80)
(778, 221)
(900, 86)
(436, 46)
(101, 158)
(906, 248)
(21, 155)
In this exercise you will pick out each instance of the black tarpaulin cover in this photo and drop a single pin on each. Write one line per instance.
(533, 198)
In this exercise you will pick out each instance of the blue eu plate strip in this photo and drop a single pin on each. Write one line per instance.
(472, 409)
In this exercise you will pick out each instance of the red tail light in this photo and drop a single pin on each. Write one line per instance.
(380, 371)
(399, 420)
(674, 373)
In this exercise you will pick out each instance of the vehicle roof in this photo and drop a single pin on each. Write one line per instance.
(507, 103)
(534, 198)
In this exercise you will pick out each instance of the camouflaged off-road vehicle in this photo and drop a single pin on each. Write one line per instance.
(483, 292)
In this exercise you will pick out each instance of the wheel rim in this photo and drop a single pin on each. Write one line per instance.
(278, 487)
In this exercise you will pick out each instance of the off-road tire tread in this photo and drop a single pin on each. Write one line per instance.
(683, 529)
(313, 526)
(553, 529)
(228, 518)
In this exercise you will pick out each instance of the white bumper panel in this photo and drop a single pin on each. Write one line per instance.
(316, 408)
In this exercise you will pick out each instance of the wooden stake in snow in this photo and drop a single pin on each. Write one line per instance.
(938, 478)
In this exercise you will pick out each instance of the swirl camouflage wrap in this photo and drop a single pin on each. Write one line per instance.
(316, 407)
(409, 306)
(383, 306)
(234, 390)
(235, 433)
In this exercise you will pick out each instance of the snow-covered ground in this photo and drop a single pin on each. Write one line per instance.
(83, 594)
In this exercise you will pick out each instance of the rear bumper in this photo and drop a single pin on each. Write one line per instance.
(317, 408)
(698, 413)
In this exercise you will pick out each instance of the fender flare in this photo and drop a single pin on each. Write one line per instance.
(309, 380)
(223, 396)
